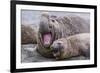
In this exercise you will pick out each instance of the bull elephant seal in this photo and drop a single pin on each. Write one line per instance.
(52, 28)
(28, 34)
(72, 46)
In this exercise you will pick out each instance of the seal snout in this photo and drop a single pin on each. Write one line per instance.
(56, 49)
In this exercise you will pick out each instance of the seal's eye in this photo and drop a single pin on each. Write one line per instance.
(53, 20)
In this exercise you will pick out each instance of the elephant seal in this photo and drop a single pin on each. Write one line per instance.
(28, 34)
(76, 45)
(52, 27)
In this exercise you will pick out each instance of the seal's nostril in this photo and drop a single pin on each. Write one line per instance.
(50, 26)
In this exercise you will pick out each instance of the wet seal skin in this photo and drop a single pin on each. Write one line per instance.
(72, 46)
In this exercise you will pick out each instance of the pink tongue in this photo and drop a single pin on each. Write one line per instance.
(47, 38)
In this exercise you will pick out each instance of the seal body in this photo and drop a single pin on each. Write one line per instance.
(28, 34)
(76, 45)
(52, 27)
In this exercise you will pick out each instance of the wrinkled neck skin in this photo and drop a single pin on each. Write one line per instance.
(46, 52)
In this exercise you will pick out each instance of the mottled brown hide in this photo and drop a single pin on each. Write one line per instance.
(76, 45)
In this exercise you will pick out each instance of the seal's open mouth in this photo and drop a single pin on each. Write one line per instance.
(47, 38)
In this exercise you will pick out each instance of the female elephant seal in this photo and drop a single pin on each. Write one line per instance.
(72, 46)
